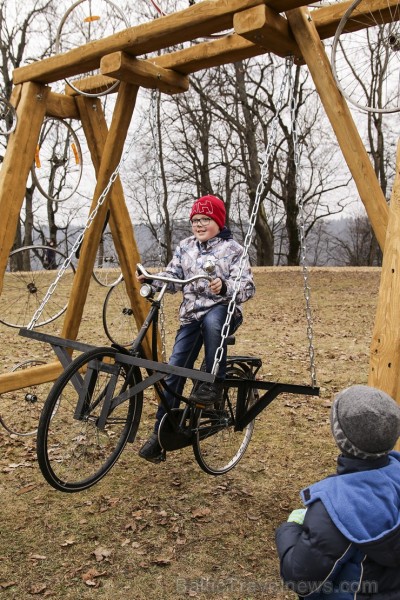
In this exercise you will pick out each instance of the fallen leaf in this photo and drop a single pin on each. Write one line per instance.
(102, 553)
(200, 513)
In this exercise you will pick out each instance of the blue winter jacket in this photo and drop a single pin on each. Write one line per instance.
(348, 547)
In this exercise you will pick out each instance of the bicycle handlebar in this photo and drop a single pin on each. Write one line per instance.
(170, 279)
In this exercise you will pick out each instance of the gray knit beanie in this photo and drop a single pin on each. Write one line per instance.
(365, 422)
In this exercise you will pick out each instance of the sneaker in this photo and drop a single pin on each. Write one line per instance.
(151, 450)
(207, 394)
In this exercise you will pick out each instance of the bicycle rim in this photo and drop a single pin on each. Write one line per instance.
(366, 57)
(74, 453)
(118, 319)
(216, 445)
(25, 285)
(21, 408)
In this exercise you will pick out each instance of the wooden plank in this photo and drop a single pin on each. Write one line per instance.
(32, 376)
(327, 18)
(143, 73)
(199, 20)
(113, 149)
(96, 131)
(268, 29)
(17, 164)
(384, 363)
(341, 120)
(61, 106)
(205, 55)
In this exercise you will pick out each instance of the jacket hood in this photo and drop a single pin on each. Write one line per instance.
(365, 507)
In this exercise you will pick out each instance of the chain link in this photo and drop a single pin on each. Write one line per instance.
(303, 245)
(253, 217)
(79, 240)
(157, 186)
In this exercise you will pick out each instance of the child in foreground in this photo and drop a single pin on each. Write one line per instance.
(346, 543)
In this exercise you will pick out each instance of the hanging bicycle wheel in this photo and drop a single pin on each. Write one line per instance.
(118, 319)
(106, 269)
(84, 22)
(57, 168)
(21, 408)
(8, 117)
(30, 271)
(217, 446)
(74, 451)
(366, 56)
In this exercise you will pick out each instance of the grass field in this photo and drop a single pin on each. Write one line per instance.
(170, 531)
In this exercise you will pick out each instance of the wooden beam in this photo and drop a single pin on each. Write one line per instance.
(327, 18)
(113, 149)
(32, 376)
(268, 29)
(17, 164)
(61, 106)
(199, 20)
(341, 120)
(96, 132)
(143, 73)
(384, 363)
(205, 55)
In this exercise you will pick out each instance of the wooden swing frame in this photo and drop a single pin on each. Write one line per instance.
(283, 27)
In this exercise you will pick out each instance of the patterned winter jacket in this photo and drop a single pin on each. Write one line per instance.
(189, 259)
(348, 547)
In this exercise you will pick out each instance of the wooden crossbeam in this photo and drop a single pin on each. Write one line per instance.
(32, 376)
(61, 106)
(203, 19)
(268, 29)
(143, 73)
(197, 21)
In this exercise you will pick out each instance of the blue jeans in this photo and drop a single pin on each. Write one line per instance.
(188, 342)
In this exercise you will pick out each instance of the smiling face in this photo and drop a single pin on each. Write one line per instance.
(204, 228)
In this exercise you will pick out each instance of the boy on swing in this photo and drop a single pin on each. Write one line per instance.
(204, 306)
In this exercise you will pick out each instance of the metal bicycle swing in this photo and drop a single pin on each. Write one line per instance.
(263, 392)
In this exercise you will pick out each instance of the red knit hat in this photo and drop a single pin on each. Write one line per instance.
(212, 207)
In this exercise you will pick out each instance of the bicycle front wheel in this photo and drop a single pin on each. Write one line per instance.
(78, 439)
(217, 445)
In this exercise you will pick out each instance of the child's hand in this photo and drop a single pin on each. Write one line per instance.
(297, 516)
(216, 285)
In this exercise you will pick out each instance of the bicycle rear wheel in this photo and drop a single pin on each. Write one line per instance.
(217, 446)
(73, 452)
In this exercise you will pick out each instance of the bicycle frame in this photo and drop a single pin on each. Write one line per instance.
(157, 371)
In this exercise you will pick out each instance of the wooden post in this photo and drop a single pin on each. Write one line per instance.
(17, 164)
(341, 120)
(95, 128)
(113, 149)
(385, 347)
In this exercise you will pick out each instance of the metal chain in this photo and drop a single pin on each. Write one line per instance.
(79, 240)
(159, 222)
(303, 245)
(253, 217)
